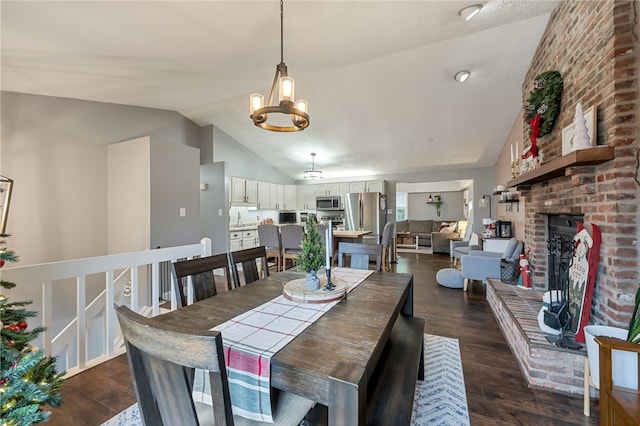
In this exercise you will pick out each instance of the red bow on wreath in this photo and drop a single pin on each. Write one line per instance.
(535, 131)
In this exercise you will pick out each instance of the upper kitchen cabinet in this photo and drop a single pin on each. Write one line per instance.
(367, 186)
(290, 197)
(244, 192)
(305, 197)
(264, 195)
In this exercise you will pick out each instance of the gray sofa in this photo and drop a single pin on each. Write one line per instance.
(423, 230)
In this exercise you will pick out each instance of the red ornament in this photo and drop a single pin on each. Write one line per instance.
(22, 325)
(13, 327)
(2, 262)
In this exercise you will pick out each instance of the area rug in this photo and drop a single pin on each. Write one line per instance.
(439, 400)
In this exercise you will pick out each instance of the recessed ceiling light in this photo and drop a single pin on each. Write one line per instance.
(470, 11)
(462, 76)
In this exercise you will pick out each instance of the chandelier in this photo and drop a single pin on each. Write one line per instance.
(297, 110)
(313, 173)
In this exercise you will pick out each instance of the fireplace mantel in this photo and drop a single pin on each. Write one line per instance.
(556, 168)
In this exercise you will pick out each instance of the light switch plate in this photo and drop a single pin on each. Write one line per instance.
(183, 212)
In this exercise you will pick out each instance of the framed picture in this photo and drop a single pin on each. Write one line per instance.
(567, 132)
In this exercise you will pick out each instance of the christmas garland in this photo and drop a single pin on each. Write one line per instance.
(544, 101)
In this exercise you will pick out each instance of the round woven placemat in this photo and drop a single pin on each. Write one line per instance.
(296, 291)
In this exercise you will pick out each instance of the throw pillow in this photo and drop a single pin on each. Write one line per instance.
(511, 246)
(448, 229)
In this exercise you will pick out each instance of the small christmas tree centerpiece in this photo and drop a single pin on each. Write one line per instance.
(312, 254)
(28, 378)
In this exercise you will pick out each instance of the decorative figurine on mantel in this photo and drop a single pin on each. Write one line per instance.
(581, 139)
(311, 256)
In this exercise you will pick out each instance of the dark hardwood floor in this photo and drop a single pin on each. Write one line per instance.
(497, 393)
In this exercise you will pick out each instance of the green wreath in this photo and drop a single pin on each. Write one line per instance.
(545, 99)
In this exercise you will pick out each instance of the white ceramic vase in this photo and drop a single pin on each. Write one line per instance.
(625, 364)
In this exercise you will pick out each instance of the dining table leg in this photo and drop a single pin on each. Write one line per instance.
(348, 395)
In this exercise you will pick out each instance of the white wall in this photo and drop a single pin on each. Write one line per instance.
(451, 208)
(129, 195)
(56, 151)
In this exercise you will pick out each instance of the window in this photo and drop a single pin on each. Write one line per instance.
(401, 206)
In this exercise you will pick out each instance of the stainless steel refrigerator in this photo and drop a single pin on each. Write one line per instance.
(365, 211)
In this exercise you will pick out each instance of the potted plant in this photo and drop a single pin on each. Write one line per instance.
(312, 254)
(438, 202)
(625, 364)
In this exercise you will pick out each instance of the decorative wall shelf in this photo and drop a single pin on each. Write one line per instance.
(556, 168)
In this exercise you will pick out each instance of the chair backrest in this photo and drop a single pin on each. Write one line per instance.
(322, 229)
(513, 249)
(248, 259)
(202, 277)
(387, 234)
(269, 236)
(292, 236)
(360, 254)
(162, 359)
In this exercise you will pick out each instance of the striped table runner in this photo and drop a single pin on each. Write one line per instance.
(252, 338)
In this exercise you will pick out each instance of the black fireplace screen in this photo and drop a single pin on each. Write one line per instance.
(561, 230)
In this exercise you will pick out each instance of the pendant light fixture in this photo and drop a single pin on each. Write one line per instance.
(313, 173)
(297, 110)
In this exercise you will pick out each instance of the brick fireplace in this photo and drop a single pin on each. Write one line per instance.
(594, 45)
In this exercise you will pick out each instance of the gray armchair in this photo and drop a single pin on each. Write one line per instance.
(460, 248)
(480, 265)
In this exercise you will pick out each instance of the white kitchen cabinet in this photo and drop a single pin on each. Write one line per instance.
(277, 196)
(367, 186)
(244, 192)
(358, 187)
(304, 197)
(240, 240)
(264, 195)
(289, 201)
(249, 239)
(235, 241)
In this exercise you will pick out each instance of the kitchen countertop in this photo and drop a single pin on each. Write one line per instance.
(243, 227)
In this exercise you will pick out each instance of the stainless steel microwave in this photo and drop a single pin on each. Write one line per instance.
(329, 203)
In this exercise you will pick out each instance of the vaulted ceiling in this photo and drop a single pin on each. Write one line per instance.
(378, 75)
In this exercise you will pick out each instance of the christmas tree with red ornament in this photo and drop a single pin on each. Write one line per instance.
(28, 378)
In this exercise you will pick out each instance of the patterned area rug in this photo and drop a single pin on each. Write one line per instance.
(439, 400)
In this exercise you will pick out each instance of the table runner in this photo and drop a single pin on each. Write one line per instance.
(252, 338)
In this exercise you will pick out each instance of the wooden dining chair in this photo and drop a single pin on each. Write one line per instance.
(202, 277)
(292, 236)
(360, 254)
(163, 359)
(248, 259)
(269, 236)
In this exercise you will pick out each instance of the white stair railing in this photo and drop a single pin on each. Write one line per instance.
(73, 344)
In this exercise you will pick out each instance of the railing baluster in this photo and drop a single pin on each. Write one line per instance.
(81, 330)
(135, 299)
(47, 317)
(155, 287)
(109, 312)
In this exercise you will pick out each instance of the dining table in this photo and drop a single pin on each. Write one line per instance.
(332, 359)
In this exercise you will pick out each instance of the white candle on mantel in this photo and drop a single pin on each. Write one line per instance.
(511, 151)
(517, 151)
(328, 249)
